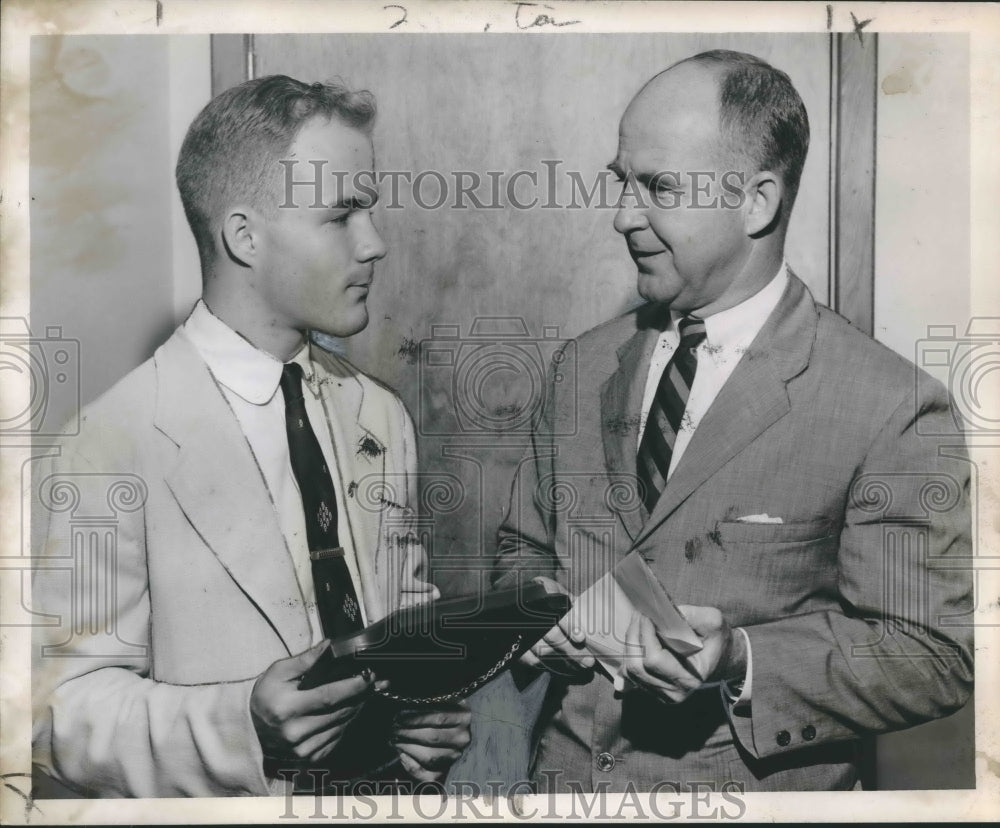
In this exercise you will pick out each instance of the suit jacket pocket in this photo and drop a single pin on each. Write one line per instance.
(735, 531)
(782, 569)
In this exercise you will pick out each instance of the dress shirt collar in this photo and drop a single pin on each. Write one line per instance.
(241, 367)
(737, 325)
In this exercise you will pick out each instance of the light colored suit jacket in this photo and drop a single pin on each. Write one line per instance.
(166, 586)
(857, 605)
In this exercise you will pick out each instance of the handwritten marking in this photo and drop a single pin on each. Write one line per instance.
(859, 25)
(29, 802)
(402, 19)
(829, 17)
(159, 12)
(540, 20)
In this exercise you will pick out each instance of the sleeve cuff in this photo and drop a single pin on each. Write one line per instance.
(738, 693)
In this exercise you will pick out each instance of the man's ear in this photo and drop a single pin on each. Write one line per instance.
(765, 192)
(240, 235)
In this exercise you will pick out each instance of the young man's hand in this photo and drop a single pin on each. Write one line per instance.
(430, 739)
(303, 725)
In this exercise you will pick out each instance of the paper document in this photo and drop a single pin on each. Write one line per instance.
(603, 612)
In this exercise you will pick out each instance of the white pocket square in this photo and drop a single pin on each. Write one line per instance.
(764, 518)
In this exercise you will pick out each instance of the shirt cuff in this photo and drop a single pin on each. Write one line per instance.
(740, 697)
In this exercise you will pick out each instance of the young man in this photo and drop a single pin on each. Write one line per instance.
(239, 459)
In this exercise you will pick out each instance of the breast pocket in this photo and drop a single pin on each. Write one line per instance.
(773, 570)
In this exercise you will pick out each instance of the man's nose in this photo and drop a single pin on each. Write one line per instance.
(629, 216)
(371, 246)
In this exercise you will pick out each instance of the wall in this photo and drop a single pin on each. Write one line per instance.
(107, 251)
(189, 58)
(922, 204)
(922, 278)
(485, 103)
(113, 265)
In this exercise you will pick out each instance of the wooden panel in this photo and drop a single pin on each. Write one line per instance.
(852, 248)
(230, 60)
(504, 103)
(850, 134)
(852, 213)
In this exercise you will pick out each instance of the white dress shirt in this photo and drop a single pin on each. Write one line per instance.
(728, 335)
(249, 379)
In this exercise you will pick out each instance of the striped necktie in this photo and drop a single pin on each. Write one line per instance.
(336, 600)
(667, 412)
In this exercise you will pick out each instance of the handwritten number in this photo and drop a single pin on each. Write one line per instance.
(402, 19)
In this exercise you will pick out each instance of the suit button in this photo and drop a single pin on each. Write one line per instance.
(809, 733)
(783, 738)
(605, 762)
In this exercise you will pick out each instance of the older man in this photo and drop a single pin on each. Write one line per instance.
(755, 432)
(239, 450)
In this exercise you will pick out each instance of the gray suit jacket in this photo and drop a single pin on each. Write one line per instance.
(166, 584)
(858, 605)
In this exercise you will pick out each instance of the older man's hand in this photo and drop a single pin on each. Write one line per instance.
(673, 677)
(562, 650)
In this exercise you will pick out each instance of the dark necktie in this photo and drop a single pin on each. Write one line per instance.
(667, 412)
(336, 600)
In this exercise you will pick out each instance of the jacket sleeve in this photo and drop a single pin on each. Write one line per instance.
(414, 585)
(101, 725)
(526, 537)
(899, 652)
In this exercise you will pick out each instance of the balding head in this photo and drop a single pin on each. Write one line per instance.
(682, 100)
(761, 121)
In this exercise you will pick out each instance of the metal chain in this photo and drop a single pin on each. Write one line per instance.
(475, 684)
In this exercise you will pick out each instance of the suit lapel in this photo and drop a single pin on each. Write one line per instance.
(221, 490)
(621, 403)
(360, 447)
(753, 399)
